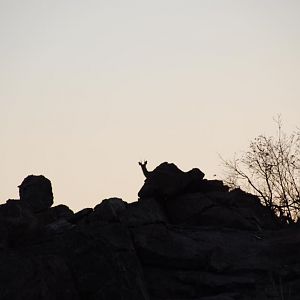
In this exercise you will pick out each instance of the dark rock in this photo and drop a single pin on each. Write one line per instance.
(167, 180)
(190, 284)
(224, 217)
(80, 215)
(17, 222)
(54, 214)
(35, 277)
(184, 263)
(250, 207)
(36, 192)
(58, 226)
(103, 262)
(205, 186)
(146, 211)
(108, 210)
(182, 209)
(192, 239)
(192, 248)
(225, 209)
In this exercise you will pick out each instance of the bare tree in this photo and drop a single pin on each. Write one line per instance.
(271, 170)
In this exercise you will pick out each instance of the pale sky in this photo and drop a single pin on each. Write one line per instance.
(89, 88)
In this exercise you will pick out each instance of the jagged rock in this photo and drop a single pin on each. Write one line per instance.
(167, 180)
(36, 192)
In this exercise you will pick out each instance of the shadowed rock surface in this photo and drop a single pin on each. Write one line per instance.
(186, 238)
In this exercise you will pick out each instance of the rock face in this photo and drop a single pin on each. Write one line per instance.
(186, 238)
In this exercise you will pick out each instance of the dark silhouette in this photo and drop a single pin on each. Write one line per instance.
(270, 170)
(144, 168)
(186, 238)
(36, 192)
(167, 180)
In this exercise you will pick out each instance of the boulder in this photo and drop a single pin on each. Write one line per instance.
(108, 210)
(36, 193)
(168, 180)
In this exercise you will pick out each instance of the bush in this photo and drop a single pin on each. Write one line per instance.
(271, 170)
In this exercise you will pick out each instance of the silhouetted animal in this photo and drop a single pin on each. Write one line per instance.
(144, 168)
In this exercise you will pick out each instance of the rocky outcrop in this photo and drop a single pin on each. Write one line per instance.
(186, 238)
(36, 192)
(168, 180)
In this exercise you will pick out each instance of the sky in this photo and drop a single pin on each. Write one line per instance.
(89, 88)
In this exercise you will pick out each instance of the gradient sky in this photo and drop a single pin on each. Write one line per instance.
(89, 88)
